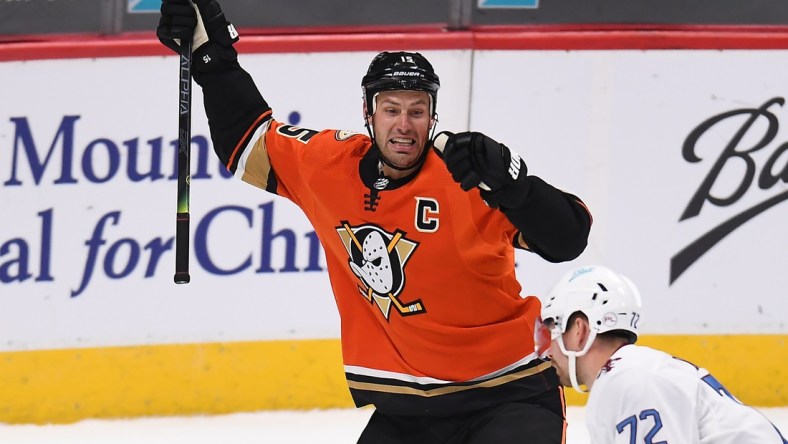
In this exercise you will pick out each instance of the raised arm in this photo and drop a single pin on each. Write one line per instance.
(553, 224)
(233, 103)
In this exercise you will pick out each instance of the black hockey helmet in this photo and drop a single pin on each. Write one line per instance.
(391, 71)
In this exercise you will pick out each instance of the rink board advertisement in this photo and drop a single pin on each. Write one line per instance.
(89, 176)
(680, 155)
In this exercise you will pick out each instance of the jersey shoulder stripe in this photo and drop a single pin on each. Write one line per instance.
(247, 139)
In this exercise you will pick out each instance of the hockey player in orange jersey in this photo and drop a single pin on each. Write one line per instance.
(419, 243)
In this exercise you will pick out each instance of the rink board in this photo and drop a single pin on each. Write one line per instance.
(91, 324)
(62, 386)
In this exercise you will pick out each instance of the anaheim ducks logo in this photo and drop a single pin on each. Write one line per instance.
(378, 259)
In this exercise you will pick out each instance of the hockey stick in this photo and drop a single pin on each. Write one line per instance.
(184, 176)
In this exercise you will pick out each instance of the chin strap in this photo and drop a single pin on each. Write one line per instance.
(573, 373)
(572, 357)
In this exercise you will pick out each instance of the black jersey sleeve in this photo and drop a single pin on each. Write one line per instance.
(552, 223)
(233, 105)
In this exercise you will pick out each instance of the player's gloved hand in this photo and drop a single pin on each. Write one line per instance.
(178, 21)
(474, 159)
(212, 35)
(458, 160)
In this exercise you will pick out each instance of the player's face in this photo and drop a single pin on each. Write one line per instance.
(402, 123)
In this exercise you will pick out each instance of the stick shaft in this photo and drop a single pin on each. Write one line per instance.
(184, 175)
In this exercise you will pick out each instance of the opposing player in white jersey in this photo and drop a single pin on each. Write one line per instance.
(637, 394)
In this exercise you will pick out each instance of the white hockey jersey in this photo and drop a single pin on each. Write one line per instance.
(646, 396)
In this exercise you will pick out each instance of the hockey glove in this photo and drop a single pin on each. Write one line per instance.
(474, 159)
(178, 21)
(212, 35)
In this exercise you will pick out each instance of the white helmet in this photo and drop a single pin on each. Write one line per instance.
(609, 300)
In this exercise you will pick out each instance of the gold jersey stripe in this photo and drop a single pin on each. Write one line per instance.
(385, 388)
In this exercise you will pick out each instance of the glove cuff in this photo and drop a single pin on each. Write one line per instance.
(512, 195)
(212, 57)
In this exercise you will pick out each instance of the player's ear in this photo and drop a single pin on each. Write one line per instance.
(365, 113)
(582, 330)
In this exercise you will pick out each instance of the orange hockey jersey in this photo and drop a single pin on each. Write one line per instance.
(422, 272)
